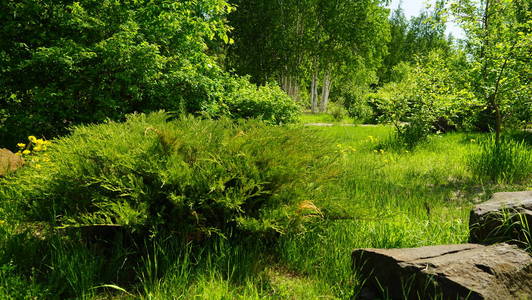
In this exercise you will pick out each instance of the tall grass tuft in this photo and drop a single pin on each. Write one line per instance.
(504, 161)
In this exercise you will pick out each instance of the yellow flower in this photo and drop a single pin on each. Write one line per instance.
(37, 148)
(18, 153)
(32, 138)
(21, 145)
(37, 166)
(26, 152)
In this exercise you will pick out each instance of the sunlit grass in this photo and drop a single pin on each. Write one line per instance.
(307, 118)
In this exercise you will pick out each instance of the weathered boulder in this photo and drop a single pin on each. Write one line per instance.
(471, 271)
(9, 162)
(506, 217)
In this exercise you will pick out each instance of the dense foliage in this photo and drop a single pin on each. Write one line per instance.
(499, 42)
(311, 45)
(63, 63)
(415, 37)
(188, 176)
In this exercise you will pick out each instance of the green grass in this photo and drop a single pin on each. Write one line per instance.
(382, 199)
(323, 118)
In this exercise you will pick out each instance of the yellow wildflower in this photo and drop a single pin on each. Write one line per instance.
(18, 153)
(26, 152)
(21, 145)
(32, 138)
(37, 148)
(38, 166)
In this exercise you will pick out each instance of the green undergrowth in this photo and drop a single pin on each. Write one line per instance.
(365, 196)
(507, 160)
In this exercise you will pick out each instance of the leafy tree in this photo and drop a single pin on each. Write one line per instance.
(396, 46)
(415, 37)
(66, 62)
(429, 96)
(499, 41)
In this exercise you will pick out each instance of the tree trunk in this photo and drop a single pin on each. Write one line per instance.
(493, 98)
(314, 93)
(290, 86)
(325, 92)
(296, 91)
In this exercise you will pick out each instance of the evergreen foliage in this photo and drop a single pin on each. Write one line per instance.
(186, 176)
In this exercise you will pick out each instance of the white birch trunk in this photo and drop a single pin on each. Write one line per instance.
(325, 92)
(314, 93)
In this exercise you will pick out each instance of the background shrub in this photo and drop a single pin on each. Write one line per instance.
(362, 112)
(188, 176)
(244, 100)
(337, 111)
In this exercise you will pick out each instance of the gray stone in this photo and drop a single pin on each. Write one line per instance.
(9, 162)
(506, 217)
(467, 271)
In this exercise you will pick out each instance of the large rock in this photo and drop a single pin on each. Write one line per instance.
(471, 271)
(506, 217)
(9, 162)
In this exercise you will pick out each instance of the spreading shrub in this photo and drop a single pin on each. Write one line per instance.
(188, 176)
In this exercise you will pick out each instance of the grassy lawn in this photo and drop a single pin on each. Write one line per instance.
(308, 117)
(382, 199)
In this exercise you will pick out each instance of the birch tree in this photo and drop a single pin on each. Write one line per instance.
(305, 44)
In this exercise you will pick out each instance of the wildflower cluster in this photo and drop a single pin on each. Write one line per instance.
(34, 145)
(344, 150)
(379, 151)
(372, 139)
